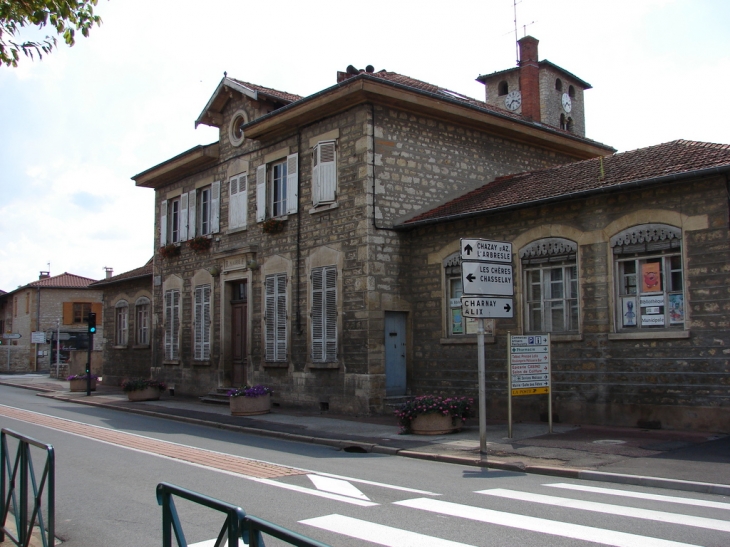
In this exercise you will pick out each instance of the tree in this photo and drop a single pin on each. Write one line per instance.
(66, 16)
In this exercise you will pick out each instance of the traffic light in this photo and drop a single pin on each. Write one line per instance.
(91, 320)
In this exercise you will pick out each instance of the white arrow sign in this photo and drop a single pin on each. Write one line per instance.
(487, 279)
(485, 250)
(486, 307)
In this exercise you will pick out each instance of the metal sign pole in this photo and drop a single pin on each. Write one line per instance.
(482, 390)
(550, 380)
(509, 385)
(58, 347)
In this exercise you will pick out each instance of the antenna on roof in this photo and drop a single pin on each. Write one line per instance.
(225, 74)
(517, 47)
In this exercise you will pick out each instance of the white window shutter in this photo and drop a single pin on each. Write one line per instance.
(292, 184)
(183, 217)
(192, 198)
(198, 330)
(270, 318)
(242, 201)
(330, 313)
(163, 223)
(261, 193)
(281, 317)
(175, 324)
(233, 214)
(168, 325)
(317, 316)
(327, 171)
(215, 207)
(206, 321)
(315, 176)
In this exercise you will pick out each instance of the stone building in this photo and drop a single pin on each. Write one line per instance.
(50, 305)
(279, 255)
(127, 349)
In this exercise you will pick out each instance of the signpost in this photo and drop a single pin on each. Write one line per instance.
(486, 273)
(529, 371)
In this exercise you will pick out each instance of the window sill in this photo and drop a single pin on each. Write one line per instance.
(466, 339)
(323, 208)
(652, 335)
(120, 347)
(201, 363)
(171, 362)
(141, 346)
(330, 365)
(236, 230)
(276, 364)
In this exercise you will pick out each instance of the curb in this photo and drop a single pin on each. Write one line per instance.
(359, 446)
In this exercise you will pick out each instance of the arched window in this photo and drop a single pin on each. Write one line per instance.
(550, 285)
(142, 324)
(502, 88)
(558, 84)
(649, 278)
(121, 323)
(571, 92)
(563, 122)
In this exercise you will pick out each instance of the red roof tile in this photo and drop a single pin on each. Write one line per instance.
(673, 159)
(289, 97)
(143, 271)
(63, 281)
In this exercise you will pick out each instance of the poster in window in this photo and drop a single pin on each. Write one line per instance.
(676, 309)
(457, 322)
(651, 277)
(628, 307)
(472, 326)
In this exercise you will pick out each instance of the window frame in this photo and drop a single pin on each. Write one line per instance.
(172, 305)
(142, 322)
(324, 173)
(275, 318)
(173, 220)
(121, 324)
(452, 297)
(238, 201)
(265, 188)
(79, 316)
(278, 185)
(202, 298)
(324, 314)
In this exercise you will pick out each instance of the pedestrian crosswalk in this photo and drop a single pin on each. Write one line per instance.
(498, 515)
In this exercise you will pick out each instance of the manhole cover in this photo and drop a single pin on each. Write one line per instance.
(609, 441)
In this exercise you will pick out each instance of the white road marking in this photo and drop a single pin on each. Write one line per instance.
(642, 495)
(633, 512)
(544, 526)
(337, 486)
(377, 533)
(380, 484)
(328, 495)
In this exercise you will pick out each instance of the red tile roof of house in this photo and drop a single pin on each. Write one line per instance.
(144, 271)
(672, 160)
(289, 97)
(63, 281)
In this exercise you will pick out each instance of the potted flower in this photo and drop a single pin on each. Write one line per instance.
(250, 400)
(170, 250)
(79, 382)
(200, 244)
(272, 226)
(434, 415)
(142, 389)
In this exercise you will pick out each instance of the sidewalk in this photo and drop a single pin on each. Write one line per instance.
(684, 460)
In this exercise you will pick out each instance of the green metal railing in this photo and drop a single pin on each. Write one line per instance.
(20, 470)
(238, 525)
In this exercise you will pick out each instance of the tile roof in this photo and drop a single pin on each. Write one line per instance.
(674, 159)
(143, 271)
(63, 281)
(283, 95)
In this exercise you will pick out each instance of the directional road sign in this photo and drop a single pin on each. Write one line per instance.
(486, 251)
(486, 307)
(11, 336)
(484, 278)
(529, 364)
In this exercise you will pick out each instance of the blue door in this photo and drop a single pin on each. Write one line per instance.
(395, 353)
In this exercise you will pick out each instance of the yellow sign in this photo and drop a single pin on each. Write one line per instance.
(530, 391)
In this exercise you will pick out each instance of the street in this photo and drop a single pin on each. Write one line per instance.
(108, 464)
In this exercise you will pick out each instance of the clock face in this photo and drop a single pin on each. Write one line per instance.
(513, 100)
(567, 104)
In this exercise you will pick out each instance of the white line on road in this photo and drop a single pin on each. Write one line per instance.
(642, 495)
(608, 508)
(377, 533)
(337, 486)
(544, 526)
(337, 497)
(380, 484)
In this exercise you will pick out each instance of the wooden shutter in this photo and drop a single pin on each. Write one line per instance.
(233, 213)
(318, 297)
(172, 324)
(270, 318)
(281, 317)
(238, 203)
(168, 325)
(202, 323)
(215, 207)
(183, 217)
(97, 308)
(327, 171)
(163, 223)
(191, 220)
(292, 184)
(242, 201)
(68, 313)
(315, 176)
(324, 314)
(275, 318)
(261, 193)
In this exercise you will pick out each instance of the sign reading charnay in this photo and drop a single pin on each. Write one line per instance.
(486, 307)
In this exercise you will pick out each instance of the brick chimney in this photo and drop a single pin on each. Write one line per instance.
(44, 275)
(109, 272)
(529, 78)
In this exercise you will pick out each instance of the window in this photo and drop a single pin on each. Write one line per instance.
(324, 173)
(550, 286)
(121, 323)
(142, 323)
(201, 347)
(502, 88)
(172, 324)
(458, 324)
(194, 211)
(277, 188)
(81, 311)
(238, 202)
(27, 303)
(275, 317)
(649, 278)
(324, 314)
(571, 92)
(558, 84)
(174, 221)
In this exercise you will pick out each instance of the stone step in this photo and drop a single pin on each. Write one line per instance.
(217, 396)
(394, 402)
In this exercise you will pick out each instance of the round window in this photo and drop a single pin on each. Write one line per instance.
(235, 129)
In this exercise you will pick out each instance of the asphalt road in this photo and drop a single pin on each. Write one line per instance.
(109, 463)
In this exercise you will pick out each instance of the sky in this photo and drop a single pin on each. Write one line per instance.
(78, 124)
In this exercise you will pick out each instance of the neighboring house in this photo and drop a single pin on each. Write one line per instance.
(127, 350)
(277, 261)
(50, 305)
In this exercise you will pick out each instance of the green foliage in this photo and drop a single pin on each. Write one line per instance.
(66, 16)
(138, 384)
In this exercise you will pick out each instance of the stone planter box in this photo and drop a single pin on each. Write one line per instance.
(250, 406)
(434, 424)
(80, 385)
(146, 394)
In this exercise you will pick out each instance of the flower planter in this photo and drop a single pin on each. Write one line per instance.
(433, 423)
(250, 406)
(80, 385)
(146, 394)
